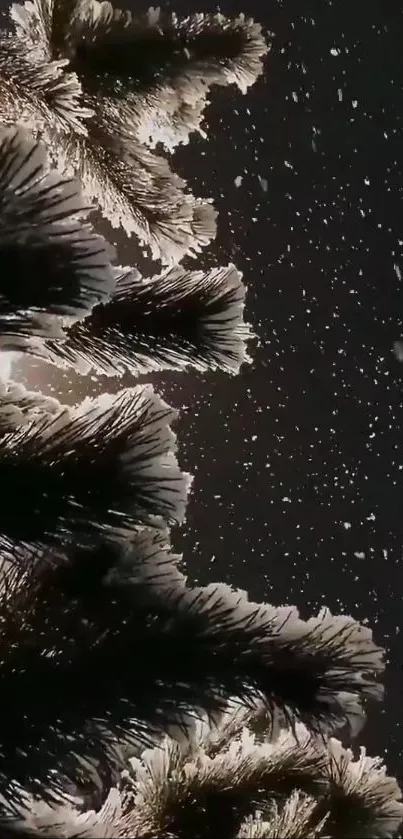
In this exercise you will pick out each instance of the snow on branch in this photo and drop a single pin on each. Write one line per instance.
(19, 406)
(159, 66)
(136, 189)
(173, 321)
(297, 786)
(118, 634)
(54, 267)
(99, 469)
(130, 82)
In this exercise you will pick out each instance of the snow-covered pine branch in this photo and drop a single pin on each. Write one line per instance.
(54, 268)
(250, 788)
(176, 320)
(111, 645)
(99, 469)
(130, 83)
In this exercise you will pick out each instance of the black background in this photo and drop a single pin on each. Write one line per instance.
(298, 462)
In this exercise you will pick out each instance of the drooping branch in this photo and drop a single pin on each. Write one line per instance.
(99, 469)
(70, 628)
(144, 80)
(172, 321)
(136, 189)
(159, 67)
(297, 786)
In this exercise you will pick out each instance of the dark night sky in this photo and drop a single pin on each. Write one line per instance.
(298, 462)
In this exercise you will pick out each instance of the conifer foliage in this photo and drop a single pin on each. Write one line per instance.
(134, 704)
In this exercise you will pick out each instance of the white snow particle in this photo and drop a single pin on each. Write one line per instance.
(263, 183)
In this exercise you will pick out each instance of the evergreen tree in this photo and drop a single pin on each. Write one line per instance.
(134, 704)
